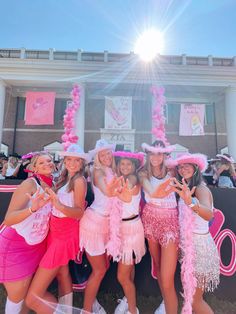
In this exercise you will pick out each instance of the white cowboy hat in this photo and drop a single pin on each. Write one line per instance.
(158, 149)
(101, 145)
(75, 150)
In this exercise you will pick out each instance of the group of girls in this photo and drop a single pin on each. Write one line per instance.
(46, 226)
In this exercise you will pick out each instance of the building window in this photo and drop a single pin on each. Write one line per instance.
(21, 108)
(59, 110)
(209, 114)
(172, 113)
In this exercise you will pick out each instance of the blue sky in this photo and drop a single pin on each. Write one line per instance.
(197, 27)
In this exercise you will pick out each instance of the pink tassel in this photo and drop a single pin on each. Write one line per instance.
(114, 243)
(188, 278)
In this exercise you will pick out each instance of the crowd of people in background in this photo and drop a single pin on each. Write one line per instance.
(221, 170)
(48, 223)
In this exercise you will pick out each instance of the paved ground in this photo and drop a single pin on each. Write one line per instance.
(146, 305)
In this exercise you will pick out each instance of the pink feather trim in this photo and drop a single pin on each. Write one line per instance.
(114, 244)
(189, 281)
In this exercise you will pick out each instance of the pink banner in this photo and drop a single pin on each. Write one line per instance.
(191, 120)
(39, 108)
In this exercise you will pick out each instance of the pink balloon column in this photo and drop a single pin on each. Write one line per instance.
(69, 135)
(158, 117)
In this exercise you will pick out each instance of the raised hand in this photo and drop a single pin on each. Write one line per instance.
(54, 199)
(126, 192)
(113, 186)
(183, 190)
(164, 189)
(38, 200)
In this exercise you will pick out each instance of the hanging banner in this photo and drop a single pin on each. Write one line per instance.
(192, 119)
(39, 108)
(118, 112)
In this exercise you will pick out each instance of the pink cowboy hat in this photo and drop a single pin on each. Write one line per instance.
(158, 149)
(226, 157)
(199, 160)
(75, 150)
(101, 145)
(129, 155)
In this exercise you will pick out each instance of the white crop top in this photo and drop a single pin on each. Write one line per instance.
(66, 198)
(34, 228)
(132, 208)
(201, 225)
(164, 203)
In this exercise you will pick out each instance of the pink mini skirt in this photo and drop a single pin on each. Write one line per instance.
(62, 242)
(18, 260)
(160, 225)
(94, 232)
(132, 241)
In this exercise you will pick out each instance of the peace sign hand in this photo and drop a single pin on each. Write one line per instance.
(38, 200)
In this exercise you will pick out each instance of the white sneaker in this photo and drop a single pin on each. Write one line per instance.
(137, 311)
(122, 307)
(161, 309)
(97, 308)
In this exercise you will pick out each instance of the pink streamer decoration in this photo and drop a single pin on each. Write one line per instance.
(158, 117)
(114, 243)
(69, 137)
(189, 281)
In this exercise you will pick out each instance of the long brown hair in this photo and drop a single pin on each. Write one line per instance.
(64, 178)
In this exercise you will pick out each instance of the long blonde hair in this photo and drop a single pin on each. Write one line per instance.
(35, 158)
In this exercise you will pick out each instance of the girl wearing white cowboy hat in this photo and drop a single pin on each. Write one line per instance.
(94, 226)
(68, 203)
(160, 220)
(225, 172)
(132, 246)
(200, 259)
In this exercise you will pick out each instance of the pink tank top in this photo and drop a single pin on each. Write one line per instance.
(34, 228)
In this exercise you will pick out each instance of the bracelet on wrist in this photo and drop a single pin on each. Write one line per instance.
(31, 211)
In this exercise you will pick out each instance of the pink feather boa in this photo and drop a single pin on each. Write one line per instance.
(114, 243)
(189, 281)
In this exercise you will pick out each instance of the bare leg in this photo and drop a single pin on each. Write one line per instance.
(99, 268)
(168, 267)
(155, 252)
(199, 304)
(17, 291)
(64, 281)
(125, 277)
(38, 290)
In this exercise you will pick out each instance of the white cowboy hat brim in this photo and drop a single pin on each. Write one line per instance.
(158, 149)
(94, 151)
(84, 156)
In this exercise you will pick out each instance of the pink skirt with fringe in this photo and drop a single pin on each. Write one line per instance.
(132, 241)
(160, 225)
(63, 242)
(94, 232)
(18, 259)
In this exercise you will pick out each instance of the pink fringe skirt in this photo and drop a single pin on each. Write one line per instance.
(207, 262)
(18, 260)
(94, 232)
(132, 241)
(63, 242)
(160, 225)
